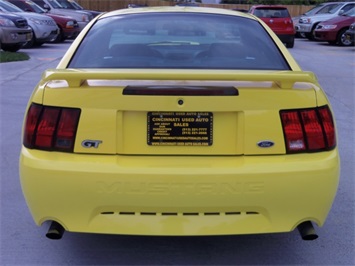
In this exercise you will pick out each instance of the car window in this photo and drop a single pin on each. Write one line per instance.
(35, 7)
(20, 4)
(314, 10)
(41, 3)
(329, 9)
(347, 8)
(65, 4)
(175, 40)
(350, 13)
(271, 13)
(28, 5)
(54, 4)
(6, 6)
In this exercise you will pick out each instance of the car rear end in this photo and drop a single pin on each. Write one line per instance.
(177, 142)
(279, 20)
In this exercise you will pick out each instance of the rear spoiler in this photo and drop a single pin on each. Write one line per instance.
(76, 78)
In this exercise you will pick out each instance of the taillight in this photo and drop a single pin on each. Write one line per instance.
(308, 130)
(51, 128)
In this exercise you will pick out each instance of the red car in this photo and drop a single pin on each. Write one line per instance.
(278, 19)
(68, 26)
(333, 30)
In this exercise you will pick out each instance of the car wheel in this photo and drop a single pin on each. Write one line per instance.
(60, 37)
(310, 36)
(11, 48)
(342, 40)
(31, 42)
(290, 44)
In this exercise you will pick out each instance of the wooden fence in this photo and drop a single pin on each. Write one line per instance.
(109, 5)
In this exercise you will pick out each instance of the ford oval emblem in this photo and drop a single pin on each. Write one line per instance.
(265, 144)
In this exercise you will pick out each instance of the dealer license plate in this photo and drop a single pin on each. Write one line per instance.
(180, 128)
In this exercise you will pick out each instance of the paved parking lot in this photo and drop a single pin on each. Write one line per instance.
(22, 243)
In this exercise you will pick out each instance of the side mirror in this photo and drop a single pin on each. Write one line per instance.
(46, 7)
(341, 12)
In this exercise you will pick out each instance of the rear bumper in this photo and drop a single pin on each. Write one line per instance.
(286, 38)
(178, 195)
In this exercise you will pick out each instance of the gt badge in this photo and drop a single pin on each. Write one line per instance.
(91, 143)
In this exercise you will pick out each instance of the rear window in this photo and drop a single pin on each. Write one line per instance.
(271, 13)
(178, 40)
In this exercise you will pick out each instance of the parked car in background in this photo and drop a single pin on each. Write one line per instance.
(52, 6)
(318, 9)
(308, 24)
(241, 10)
(68, 26)
(349, 34)
(136, 5)
(278, 19)
(179, 121)
(71, 4)
(333, 30)
(187, 4)
(44, 28)
(14, 32)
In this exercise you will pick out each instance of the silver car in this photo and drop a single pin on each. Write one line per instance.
(43, 27)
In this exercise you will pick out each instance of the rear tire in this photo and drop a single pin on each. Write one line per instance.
(290, 44)
(310, 35)
(60, 38)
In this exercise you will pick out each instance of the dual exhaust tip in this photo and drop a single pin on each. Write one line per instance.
(305, 229)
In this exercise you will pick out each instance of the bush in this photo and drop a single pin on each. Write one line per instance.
(11, 57)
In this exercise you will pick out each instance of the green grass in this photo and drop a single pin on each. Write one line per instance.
(11, 57)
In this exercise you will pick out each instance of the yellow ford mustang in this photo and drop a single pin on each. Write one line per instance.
(179, 121)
